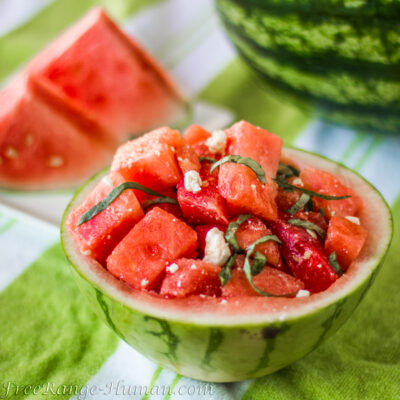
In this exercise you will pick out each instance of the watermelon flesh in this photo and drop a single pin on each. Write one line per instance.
(186, 277)
(122, 94)
(346, 238)
(43, 147)
(63, 117)
(251, 141)
(98, 236)
(187, 159)
(196, 137)
(158, 239)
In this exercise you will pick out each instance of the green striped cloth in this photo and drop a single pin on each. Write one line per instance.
(52, 345)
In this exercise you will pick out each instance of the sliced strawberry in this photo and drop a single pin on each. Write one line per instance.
(304, 256)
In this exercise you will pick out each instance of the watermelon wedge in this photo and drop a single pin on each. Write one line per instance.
(227, 338)
(63, 117)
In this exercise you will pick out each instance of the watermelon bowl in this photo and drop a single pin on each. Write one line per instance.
(235, 338)
(339, 58)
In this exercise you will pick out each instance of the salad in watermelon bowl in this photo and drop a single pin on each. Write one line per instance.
(223, 255)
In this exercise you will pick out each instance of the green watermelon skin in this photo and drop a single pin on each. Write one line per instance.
(223, 350)
(341, 59)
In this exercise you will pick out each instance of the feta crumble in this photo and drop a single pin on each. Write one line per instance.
(172, 268)
(307, 254)
(107, 180)
(216, 143)
(144, 282)
(302, 293)
(298, 182)
(192, 181)
(354, 220)
(217, 249)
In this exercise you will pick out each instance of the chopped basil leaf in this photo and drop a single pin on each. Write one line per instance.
(287, 186)
(225, 273)
(258, 263)
(335, 263)
(303, 200)
(103, 204)
(321, 212)
(248, 270)
(247, 161)
(286, 171)
(212, 160)
(231, 231)
(158, 200)
(308, 225)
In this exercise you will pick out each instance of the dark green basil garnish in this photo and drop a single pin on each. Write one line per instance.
(335, 263)
(308, 225)
(231, 231)
(225, 273)
(210, 159)
(303, 201)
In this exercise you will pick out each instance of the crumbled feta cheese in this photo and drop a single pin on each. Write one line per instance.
(157, 153)
(297, 182)
(216, 143)
(87, 252)
(354, 220)
(144, 282)
(172, 268)
(302, 293)
(333, 213)
(311, 233)
(253, 186)
(193, 266)
(179, 284)
(223, 301)
(107, 180)
(307, 254)
(180, 159)
(319, 266)
(217, 249)
(192, 181)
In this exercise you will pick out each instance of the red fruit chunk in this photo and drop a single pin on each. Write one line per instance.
(187, 159)
(251, 141)
(325, 183)
(150, 159)
(173, 209)
(286, 199)
(253, 229)
(202, 231)
(311, 216)
(346, 238)
(206, 206)
(269, 280)
(190, 278)
(141, 257)
(196, 136)
(102, 233)
(304, 256)
(244, 193)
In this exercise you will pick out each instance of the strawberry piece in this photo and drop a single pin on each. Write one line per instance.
(304, 256)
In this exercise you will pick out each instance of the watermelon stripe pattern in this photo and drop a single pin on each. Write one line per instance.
(233, 88)
(348, 70)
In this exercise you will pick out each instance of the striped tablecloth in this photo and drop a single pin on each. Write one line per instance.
(50, 342)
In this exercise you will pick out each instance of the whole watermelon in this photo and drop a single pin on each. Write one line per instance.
(340, 56)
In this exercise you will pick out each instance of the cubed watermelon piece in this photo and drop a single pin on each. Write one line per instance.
(196, 137)
(251, 141)
(98, 236)
(269, 280)
(173, 209)
(325, 183)
(304, 256)
(346, 238)
(99, 69)
(150, 160)
(185, 277)
(285, 199)
(158, 239)
(187, 159)
(244, 193)
(253, 229)
(206, 206)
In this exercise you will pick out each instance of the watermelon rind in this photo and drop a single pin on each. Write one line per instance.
(238, 338)
(345, 65)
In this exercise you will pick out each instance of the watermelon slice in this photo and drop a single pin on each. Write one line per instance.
(187, 159)
(62, 118)
(244, 193)
(269, 280)
(196, 137)
(42, 146)
(129, 94)
(187, 277)
(98, 236)
(346, 237)
(158, 239)
(251, 141)
(225, 339)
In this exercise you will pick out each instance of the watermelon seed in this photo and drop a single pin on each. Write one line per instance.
(11, 152)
